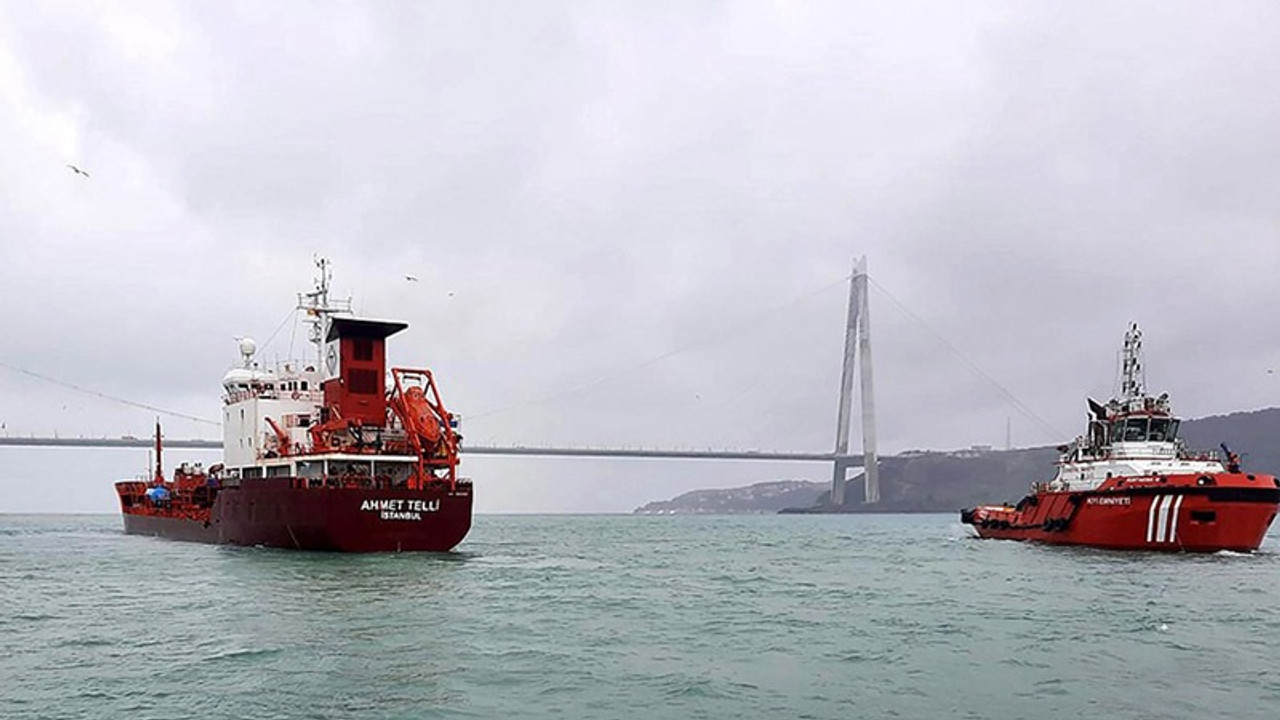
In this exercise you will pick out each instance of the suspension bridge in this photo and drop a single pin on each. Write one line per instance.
(584, 452)
(856, 365)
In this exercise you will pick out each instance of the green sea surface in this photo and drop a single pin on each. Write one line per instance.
(634, 617)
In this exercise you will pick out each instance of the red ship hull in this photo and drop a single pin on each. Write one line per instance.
(1187, 514)
(277, 512)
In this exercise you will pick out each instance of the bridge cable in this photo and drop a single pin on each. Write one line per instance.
(292, 314)
(105, 396)
(1009, 396)
(704, 340)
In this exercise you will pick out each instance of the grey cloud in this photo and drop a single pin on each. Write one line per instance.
(581, 189)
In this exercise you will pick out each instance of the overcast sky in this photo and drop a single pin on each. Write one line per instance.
(630, 222)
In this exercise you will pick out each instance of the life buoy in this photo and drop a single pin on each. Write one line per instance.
(296, 394)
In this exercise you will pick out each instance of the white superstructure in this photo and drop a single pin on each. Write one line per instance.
(1135, 435)
(268, 412)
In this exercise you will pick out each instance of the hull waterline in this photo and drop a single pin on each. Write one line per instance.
(271, 513)
(1165, 518)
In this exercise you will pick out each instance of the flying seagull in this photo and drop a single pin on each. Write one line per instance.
(410, 278)
(77, 170)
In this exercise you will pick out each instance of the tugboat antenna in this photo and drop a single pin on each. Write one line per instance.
(1133, 374)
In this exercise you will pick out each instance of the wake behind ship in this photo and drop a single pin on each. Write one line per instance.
(332, 455)
(1130, 483)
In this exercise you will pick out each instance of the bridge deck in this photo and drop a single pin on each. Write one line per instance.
(655, 453)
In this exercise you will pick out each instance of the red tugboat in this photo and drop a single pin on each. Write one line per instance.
(1131, 484)
(329, 459)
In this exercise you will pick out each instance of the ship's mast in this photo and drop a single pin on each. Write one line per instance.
(159, 477)
(320, 308)
(1132, 373)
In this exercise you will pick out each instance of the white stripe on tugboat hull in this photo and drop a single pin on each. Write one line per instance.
(1151, 517)
(1162, 518)
(1173, 519)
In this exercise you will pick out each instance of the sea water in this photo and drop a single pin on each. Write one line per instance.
(634, 617)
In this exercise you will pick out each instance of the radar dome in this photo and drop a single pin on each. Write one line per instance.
(248, 347)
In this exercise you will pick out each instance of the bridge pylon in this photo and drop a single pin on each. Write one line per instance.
(857, 355)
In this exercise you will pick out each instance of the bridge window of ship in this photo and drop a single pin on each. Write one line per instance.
(1159, 429)
(1135, 430)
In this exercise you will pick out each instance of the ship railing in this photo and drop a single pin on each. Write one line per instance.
(274, 394)
(364, 482)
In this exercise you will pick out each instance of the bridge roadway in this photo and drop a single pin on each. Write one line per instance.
(125, 442)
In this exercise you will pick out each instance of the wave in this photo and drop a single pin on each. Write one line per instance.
(242, 654)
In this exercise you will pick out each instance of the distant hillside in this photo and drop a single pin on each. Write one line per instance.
(765, 497)
(948, 481)
(1255, 435)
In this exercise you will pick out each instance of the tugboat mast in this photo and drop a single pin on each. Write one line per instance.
(1133, 374)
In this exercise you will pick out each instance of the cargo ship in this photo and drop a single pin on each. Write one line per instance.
(1130, 483)
(334, 454)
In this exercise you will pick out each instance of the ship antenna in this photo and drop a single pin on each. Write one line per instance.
(320, 308)
(1133, 372)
